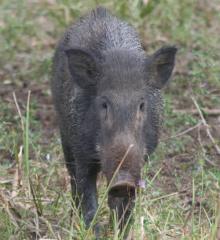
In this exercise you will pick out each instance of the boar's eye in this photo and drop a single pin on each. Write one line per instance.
(142, 106)
(104, 105)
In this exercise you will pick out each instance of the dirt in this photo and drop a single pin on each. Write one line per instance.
(43, 110)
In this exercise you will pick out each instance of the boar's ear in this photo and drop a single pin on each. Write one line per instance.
(161, 66)
(82, 67)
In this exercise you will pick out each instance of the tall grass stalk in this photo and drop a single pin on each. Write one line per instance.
(215, 230)
(26, 139)
(193, 206)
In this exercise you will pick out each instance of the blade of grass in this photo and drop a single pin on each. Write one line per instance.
(26, 139)
(19, 110)
(215, 233)
(193, 206)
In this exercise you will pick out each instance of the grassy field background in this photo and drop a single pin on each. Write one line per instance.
(181, 199)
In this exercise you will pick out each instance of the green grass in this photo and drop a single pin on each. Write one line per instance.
(181, 199)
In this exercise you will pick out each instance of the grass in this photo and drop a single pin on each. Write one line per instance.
(181, 198)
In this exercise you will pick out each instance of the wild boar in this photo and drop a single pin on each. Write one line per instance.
(106, 92)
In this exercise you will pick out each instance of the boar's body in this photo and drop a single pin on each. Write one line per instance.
(107, 95)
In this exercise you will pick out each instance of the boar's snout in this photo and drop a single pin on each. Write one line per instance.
(123, 185)
(125, 158)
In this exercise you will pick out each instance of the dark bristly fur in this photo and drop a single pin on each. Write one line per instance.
(106, 91)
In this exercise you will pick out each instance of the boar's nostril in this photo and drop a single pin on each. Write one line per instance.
(123, 185)
(122, 189)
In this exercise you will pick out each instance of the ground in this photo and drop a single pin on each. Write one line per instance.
(181, 197)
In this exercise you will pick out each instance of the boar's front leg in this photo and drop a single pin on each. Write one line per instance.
(86, 176)
(70, 164)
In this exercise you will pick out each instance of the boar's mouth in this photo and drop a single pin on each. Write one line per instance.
(123, 185)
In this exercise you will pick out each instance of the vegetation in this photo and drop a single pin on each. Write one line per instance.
(181, 199)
